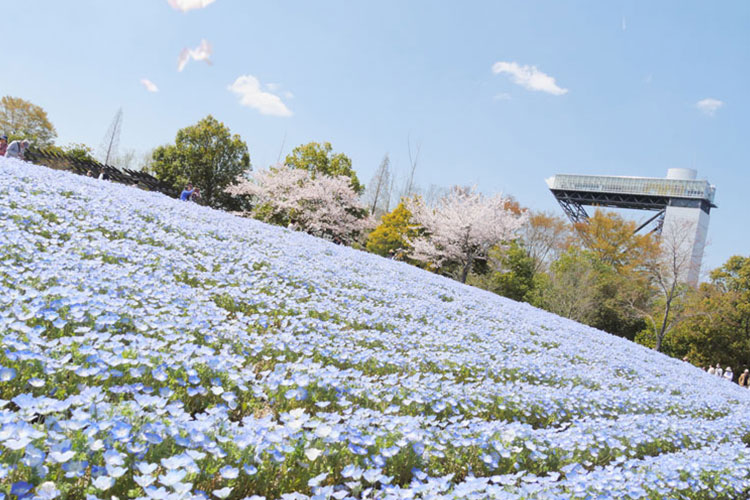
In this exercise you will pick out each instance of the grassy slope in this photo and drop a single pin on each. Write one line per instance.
(142, 328)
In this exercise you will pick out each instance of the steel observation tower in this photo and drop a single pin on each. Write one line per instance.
(679, 199)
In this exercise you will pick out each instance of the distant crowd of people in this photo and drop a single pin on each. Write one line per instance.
(727, 373)
(15, 149)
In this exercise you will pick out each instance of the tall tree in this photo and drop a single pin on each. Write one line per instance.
(413, 160)
(717, 327)
(205, 154)
(462, 228)
(319, 158)
(510, 273)
(378, 192)
(570, 287)
(391, 237)
(323, 205)
(623, 259)
(614, 241)
(668, 272)
(20, 119)
(545, 237)
(108, 149)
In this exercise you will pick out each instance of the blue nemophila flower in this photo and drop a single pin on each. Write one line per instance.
(172, 477)
(228, 472)
(175, 462)
(103, 482)
(36, 382)
(372, 475)
(146, 468)
(223, 492)
(74, 469)
(47, 491)
(352, 472)
(33, 456)
(120, 431)
(159, 493)
(20, 488)
(144, 481)
(113, 457)
(315, 481)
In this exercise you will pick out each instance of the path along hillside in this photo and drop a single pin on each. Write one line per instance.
(153, 348)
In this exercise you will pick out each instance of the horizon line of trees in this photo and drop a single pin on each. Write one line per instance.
(600, 273)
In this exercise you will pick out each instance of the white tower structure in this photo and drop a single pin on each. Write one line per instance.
(687, 216)
(683, 204)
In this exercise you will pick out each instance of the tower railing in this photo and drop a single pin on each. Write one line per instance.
(677, 188)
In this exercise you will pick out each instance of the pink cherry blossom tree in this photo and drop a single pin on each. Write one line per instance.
(462, 227)
(324, 206)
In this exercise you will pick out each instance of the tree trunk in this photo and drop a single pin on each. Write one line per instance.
(662, 330)
(465, 271)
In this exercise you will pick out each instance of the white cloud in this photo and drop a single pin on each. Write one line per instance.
(201, 53)
(709, 106)
(150, 86)
(528, 77)
(251, 95)
(186, 5)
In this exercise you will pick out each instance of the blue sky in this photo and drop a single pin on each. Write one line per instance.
(628, 77)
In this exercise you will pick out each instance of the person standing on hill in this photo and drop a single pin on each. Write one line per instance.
(16, 149)
(190, 193)
(743, 378)
(728, 374)
(711, 370)
(187, 193)
(3, 144)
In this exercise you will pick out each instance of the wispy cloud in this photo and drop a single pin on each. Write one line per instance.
(624, 24)
(186, 5)
(528, 77)
(249, 89)
(150, 86)
(201, 53)
(503, 96)
(709, 106)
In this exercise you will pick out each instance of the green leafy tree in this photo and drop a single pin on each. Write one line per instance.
(569, 289)
(20, 119)
(206, 155)
(510, 273)
(716, 325)
(583, 287)
(621, 260)
(319, 159)
(79, 151)
(392, 236)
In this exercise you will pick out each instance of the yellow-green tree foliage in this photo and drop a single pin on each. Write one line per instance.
(391, 236)
(319, 159)
(20, 119)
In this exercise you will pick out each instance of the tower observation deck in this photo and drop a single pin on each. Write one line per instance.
(679, 199)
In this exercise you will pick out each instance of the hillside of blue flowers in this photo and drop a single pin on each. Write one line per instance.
(157, 349)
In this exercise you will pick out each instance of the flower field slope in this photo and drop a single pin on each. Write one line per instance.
(158, 349)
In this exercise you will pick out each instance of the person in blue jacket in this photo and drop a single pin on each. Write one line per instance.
(189, 193)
